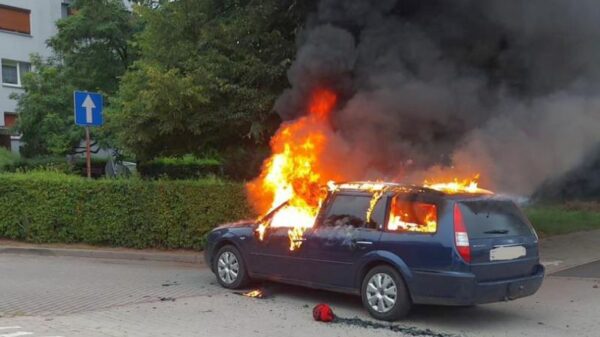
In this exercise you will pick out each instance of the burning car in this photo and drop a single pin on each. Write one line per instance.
(394, 245)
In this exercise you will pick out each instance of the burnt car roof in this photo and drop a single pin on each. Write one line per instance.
(397, 188)
(386, 187)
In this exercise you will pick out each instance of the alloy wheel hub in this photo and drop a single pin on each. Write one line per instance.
(228, 267)
(381, 292)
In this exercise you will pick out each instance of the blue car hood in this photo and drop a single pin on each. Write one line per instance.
(237, 224)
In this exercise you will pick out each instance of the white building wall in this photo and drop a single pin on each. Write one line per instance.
(18, 47)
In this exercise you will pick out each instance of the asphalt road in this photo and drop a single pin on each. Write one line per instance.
(63, 296)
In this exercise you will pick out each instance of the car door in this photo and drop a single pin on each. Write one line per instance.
(411, 230)
(271, 256)
(340, 237)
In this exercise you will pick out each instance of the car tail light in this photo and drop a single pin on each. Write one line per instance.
(461, 238)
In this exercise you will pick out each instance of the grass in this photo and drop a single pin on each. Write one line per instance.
(565, 218)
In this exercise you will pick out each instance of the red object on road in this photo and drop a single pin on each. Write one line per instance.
(322, 312)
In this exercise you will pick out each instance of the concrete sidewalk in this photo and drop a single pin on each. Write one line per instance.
(557, 253)
(80, 250)
(565, 251)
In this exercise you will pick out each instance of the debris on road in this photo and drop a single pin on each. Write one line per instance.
(166, 299)
(407, 330)
(256, 293)
(168, 284)
(323, 313)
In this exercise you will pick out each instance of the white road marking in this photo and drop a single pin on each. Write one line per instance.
(552, 263)
(17, 334)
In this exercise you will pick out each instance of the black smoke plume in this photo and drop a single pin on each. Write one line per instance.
(506, 88)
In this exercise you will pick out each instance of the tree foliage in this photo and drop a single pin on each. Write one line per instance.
(205, 80)
(91, 51)
(93, 44)
(207, 77)
(46, 111)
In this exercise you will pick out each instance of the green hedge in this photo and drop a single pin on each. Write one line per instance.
(46, 207)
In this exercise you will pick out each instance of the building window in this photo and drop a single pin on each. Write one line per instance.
(66, 9)
(13, 72)
(15, 19)
(10, 119)
(10, 72)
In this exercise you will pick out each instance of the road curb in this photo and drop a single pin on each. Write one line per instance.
(195, 258)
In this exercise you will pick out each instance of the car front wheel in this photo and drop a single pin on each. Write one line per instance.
(384, 294)
(230, 269)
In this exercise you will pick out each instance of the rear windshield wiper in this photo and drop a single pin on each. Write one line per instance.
(497, 231)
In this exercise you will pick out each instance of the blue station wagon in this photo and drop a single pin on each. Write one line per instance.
(395, 247)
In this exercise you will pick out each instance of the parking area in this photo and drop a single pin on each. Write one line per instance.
(67, 296)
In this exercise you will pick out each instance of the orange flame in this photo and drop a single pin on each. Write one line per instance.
(293, 173)
(322, 103)
(458, 186)
(412, 216)
(254, 293)
(297, 169)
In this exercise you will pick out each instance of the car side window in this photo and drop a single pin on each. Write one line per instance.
(351, 210)
(412, 216)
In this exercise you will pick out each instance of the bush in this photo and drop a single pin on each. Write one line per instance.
(244, 164)
(39, 163)
(46, 207)
(98, 166)
(179, 168)
(7, 158)
(54, 163)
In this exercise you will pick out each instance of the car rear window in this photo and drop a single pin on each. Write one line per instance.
(492, 218)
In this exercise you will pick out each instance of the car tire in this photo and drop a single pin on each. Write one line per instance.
(384, 294)
(230, 268)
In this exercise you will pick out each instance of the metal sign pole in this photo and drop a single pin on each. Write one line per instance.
(88, 112)
(88, 154)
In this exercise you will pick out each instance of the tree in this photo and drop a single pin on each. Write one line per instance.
(46, 111)
(207, 77)
(91, 52)
(93, 44)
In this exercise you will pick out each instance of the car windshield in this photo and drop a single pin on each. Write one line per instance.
(269, 215)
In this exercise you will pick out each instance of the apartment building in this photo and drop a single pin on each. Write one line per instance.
(25, 26)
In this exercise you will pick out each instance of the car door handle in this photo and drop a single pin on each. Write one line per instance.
(363, 243)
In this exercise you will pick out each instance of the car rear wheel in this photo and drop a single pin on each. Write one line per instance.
(384, 294)
(230, 268)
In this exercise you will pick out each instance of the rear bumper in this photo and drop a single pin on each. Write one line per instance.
(463, 289)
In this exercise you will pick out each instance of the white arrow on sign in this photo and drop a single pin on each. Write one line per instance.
(89, 105)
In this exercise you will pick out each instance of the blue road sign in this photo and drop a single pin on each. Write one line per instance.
(88, 108)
